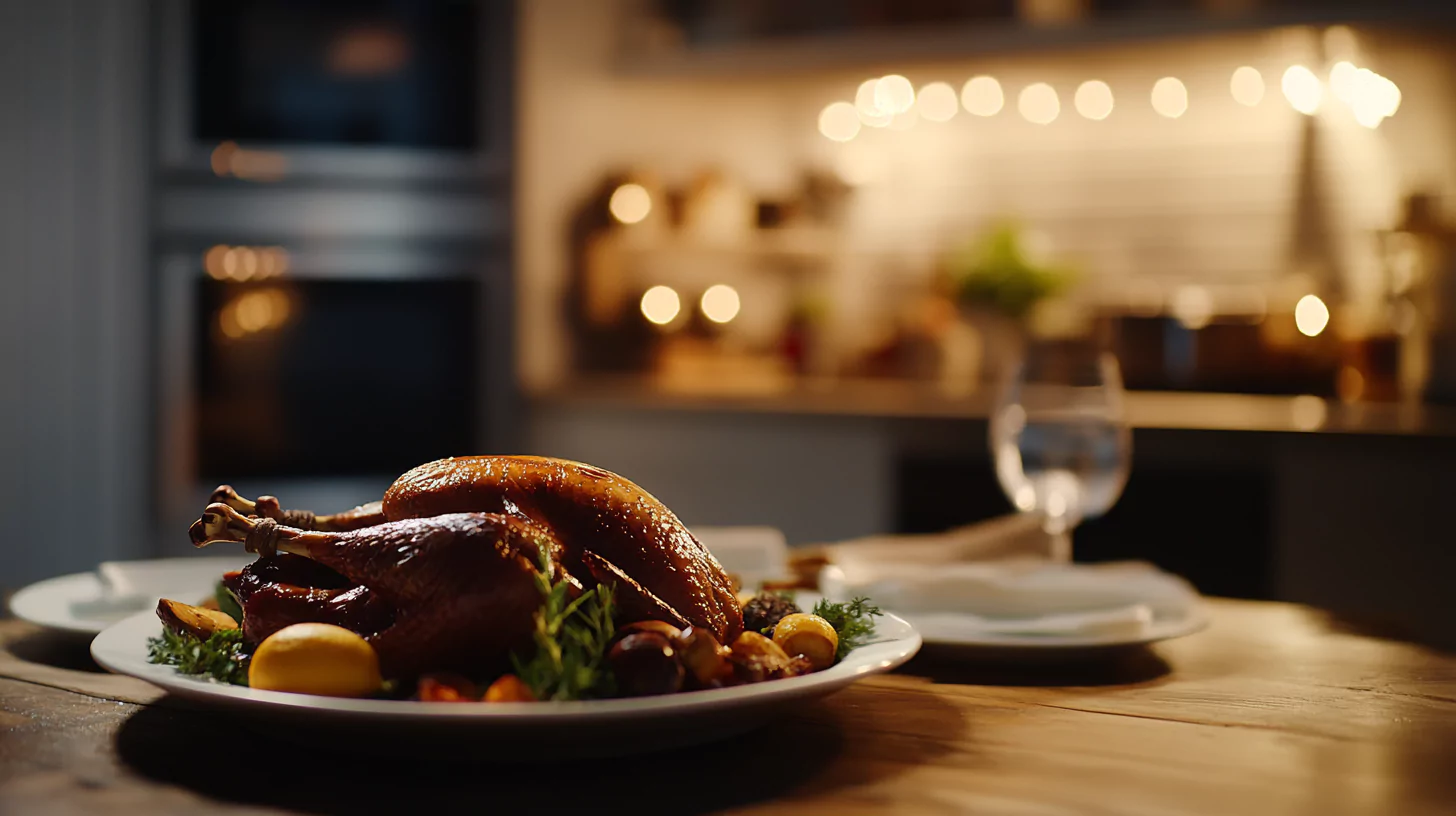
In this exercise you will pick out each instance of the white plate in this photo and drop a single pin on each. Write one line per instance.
(596, 727)
(1034, 648)
(81, 603)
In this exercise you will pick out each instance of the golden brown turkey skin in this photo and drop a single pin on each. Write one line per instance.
(451, 593)
(587, 510)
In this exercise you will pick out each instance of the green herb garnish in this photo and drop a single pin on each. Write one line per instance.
(853, 621)
(220, 657)
(228, 602)
(572, 638)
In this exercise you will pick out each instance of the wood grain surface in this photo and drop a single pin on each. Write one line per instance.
(1271, 710)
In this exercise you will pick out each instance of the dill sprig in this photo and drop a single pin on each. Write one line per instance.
(853, 621)
(220, 657)
(572, 638)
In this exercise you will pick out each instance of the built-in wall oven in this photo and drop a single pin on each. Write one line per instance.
(332, 246)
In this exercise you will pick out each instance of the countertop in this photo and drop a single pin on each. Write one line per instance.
(1271, 710)
(909, 400)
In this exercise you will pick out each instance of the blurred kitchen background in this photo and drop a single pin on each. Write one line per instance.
(766, 259)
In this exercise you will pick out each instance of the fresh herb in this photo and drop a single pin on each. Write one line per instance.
(853, 621)
(228, 602)
(220, 657)
(572, 638)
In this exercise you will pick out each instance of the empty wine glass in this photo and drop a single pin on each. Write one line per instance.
(1059, 439)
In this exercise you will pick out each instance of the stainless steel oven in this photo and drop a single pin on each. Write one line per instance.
(332, 245)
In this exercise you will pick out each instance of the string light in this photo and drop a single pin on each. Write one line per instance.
(982, 96)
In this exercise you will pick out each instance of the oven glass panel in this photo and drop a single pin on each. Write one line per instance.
(399, 73)
(314, 378)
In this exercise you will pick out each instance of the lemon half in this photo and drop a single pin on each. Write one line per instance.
(315, 658)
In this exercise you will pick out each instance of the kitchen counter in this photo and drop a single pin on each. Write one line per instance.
(909, 400)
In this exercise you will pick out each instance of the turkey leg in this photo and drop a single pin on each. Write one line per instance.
(462, 586)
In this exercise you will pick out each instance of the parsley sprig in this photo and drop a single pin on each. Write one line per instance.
(854, 621)
(572, 638)
(220, 657)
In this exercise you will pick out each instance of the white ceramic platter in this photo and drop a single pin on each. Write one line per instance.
(596, 727)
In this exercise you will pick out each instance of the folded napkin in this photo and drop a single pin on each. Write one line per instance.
(993, 578)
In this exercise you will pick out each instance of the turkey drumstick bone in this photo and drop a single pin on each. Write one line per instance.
(365, 515)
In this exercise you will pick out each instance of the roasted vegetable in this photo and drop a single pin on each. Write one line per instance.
(445, 688)
(219, 657)
(509, 688)
(704, 657)
(645, 664)
(853, 621)
(809, 636)
(755, 658)
(193, 620)
(765, 611)
(316, 658)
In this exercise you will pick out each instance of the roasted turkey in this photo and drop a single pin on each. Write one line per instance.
(439, 576)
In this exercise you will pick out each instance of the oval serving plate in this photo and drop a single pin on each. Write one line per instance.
(586, 728)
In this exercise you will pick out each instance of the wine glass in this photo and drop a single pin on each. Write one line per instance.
(1059, 439)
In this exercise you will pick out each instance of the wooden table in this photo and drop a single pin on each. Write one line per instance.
(1271, 710)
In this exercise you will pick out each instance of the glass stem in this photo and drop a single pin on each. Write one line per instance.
(1059, 538)
(1059, 546)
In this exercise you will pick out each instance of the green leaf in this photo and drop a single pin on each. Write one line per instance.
(572, 638)
(220, 657)
(852, 621)
(228, 602)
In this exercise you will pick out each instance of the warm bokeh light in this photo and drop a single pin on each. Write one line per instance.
(1094, 99)
(1373, 98)
(982, 96)
(1038, 104)
(630, 203)
(222, 158)
(1302, 88)
(212, 262)
(1247, 86)
(864, 105)
(1342, 80)
(1170, 97)
(1308, 413)
(660, 304)
(839, 121)
(894, 94)
(720, 303)
(1311, 315)
(258, 165)
(1193, 306)
(242, 263)
(273, 261)
(253, 312)
(937, 102)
